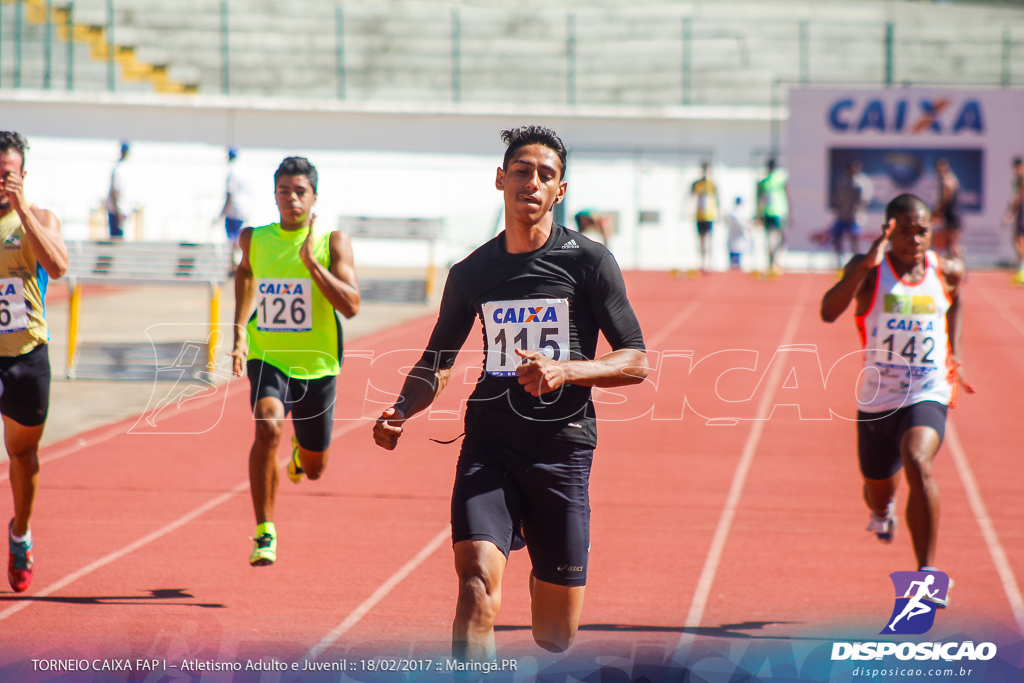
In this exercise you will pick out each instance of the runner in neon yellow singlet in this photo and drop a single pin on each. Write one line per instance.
(31, 252)
(289, 287)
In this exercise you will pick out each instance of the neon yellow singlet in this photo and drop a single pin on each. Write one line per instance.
(22, 291)
(294, 327)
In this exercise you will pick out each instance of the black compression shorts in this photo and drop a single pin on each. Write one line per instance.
(879, 435)
(543, 484)
(311, 401)
(26, 386)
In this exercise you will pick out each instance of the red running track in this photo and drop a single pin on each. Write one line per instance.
(736, 519)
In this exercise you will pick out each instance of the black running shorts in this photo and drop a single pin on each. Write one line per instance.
(26, 386)
(542, 484)
(310, 401)
(879, 435)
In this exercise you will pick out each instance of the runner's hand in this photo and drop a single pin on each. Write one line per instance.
(539, 374)
(388, 428)
(962, 379)
(876, 253)
(238, 358)
(306, 250)
(12, 186)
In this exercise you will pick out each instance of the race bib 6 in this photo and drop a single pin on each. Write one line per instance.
(13, 311)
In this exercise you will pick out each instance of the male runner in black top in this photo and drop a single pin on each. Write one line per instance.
(539, 294)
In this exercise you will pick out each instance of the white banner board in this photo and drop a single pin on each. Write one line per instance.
(898, 135)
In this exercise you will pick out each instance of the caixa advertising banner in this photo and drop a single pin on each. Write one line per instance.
(953, 148)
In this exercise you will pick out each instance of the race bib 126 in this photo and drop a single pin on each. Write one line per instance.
(527, 324)
(13, 311)
(284, 305)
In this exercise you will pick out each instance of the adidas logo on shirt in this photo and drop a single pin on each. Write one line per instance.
(571, 244)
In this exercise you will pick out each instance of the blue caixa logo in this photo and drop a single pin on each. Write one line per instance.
(918, 596)
(905, 116)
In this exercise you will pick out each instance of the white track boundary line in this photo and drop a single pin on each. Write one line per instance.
(714, 556)
(68, 579)
(382, 591)
(681, 317)
(988, 531)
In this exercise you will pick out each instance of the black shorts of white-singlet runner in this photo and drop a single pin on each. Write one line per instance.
(879, 435)
(310, 401)
(704, 227)
(26, 386)
(543, 484)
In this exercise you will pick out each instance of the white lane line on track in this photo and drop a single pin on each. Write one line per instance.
(52, 453)
(1014, 321)
(233, 387)
(714, 556)
(988, 531)
(382, 591)
(29, 599)
(681, 317)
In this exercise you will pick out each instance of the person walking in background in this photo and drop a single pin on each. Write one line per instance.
(739, 234)
(234, 211)
(33, 253)
(117, 203)
(1015, 217)
(947, 208)
(852, 196)
(773, 210)
(589, 221)
(706, 195)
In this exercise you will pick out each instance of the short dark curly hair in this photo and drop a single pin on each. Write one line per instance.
(905, 203)
(517, 138)
(297, 166)
(9, 140)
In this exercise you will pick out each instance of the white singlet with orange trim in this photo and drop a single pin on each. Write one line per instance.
(907, 358)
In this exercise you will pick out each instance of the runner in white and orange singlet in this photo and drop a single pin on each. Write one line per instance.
(909, 313)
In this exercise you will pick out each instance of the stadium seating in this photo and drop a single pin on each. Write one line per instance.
(605, 53)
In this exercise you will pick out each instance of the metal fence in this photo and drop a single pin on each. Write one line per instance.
(651, 56)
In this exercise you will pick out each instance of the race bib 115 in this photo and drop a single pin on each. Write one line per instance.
(527, 324)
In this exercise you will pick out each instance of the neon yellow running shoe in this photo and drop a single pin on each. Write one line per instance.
(295, 472)
(264, 553)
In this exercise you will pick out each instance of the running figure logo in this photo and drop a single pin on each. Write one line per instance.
(918, 595)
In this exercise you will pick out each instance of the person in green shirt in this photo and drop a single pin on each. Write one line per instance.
(290, 285)
(773, 209)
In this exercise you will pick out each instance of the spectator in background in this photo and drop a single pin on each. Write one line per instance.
(589, 220)
(1015, 216)
(773, 210)
(706, 194)
(947, 208)
(739, 234)
(852, 196)
(234, 210)
(117, 203)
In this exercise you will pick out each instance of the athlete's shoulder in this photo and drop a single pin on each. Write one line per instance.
(951, 270)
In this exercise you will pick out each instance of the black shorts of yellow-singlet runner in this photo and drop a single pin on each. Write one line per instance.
(26, 386)
(310, 401)
(879, 435)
